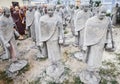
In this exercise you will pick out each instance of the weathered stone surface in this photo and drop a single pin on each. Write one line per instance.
(79, 56)
(17, 66)
(55, 71)
(40, 56)
(89, 77)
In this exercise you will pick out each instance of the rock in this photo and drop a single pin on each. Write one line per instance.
(40, 56)
(89, 77)
(55, 71)
(17, 66)
(79, 56)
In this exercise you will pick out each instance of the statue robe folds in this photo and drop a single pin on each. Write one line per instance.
(95, 37)
(114, 15)
(7, 36)
(30, 24)
(80, 20)
(51, 31)
(37, 16)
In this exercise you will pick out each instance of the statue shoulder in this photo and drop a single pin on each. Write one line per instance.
(80, 12)
(92, 19)
(43, 18)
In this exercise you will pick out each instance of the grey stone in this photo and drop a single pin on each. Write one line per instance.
(79, 56)
(55, 71)
(89, 77)
(40, 56)
(17, 66)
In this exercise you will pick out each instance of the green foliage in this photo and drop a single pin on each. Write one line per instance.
(109, 71)
(26, 68)
(65, 32)
(51, 82)
(35, 82)
(77, 80)
(18, 44)
(67, 71)
(5, 78)
(97, 3)
(108, 14)
(58, 2)
(114, 82)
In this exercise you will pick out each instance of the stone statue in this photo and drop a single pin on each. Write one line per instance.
(30, 22)
(114, 14)
(58, 12)
(51, 34)
(97, 33)
(7, 36)
(37, 16)
(8, 45)
(42, 51)
(65, 15)
(80, 19)
(71, 11)
(73, 25)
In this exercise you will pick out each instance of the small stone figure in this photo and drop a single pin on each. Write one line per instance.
(30, 22)
(51, 30)
(65, 16)
(51, 34)
(7, 35)
(114, 14)
(80, 19)
(72, 12)
(97, 32)
(58, 12)
(37, 16)
(41, 54)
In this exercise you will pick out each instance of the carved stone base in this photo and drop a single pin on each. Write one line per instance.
(89, 77)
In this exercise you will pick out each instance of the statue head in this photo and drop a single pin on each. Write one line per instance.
(102, 12)
(39, 8)
(71, 6)
(50, 10)
(85, 7)
(6, 12)
(30, 8)
(117, 5)
(57, 7)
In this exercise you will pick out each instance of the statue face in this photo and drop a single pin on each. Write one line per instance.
(86, 8)
(57, 8)
(102, 14)
(30, 8)
(50, 11)
(40, 8)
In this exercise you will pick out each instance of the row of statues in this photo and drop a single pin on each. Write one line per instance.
(93, 34)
